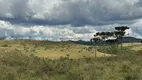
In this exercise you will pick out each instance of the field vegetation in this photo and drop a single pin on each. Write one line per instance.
(15, 65)
(47, 60)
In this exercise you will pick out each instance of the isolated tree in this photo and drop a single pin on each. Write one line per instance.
(95, 41)
(120, 33)
(103, 36)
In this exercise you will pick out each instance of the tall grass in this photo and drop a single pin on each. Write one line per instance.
(115, 49)
(17, 66)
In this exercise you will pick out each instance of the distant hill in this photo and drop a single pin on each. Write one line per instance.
(82, 42)
(125, 40)
(131, 39)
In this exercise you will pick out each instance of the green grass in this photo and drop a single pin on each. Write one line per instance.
(135, 46)
(72, 54)
(17, 66)
(49, 49)
(46, 60)
(55, 50)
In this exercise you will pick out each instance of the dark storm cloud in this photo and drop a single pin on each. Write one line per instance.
(139, 3)
(44, 19)
(74, 12)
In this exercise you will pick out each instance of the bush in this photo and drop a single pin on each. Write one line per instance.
(7, 73)
(2, 38)
(114, 49)
(74, 75)
(4, 45)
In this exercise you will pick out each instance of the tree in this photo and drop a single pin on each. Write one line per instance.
(120, 33)
(96, 40)
(121, 28)
(110, 34)
(103, 36)
(2, 38)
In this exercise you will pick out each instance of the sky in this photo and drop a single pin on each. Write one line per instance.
(68, 19)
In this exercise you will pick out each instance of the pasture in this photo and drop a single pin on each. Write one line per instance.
(46, 60)
(55, 50)
(48, 49)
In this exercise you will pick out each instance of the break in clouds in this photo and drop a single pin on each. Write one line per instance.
(52, 19)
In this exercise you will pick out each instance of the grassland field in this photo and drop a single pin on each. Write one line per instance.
(47, 60)
(55, 50)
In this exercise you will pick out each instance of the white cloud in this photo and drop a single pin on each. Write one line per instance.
(67, 32)
(131, 33)
(45, 32)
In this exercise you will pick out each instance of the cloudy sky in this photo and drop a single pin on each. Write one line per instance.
(53, 19)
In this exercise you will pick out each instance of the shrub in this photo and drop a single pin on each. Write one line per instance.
(4, 45)
(114, 49)
(74, 75)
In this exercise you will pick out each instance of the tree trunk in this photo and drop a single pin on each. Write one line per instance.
(95, 51)
(104, 49)
(121, 45)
